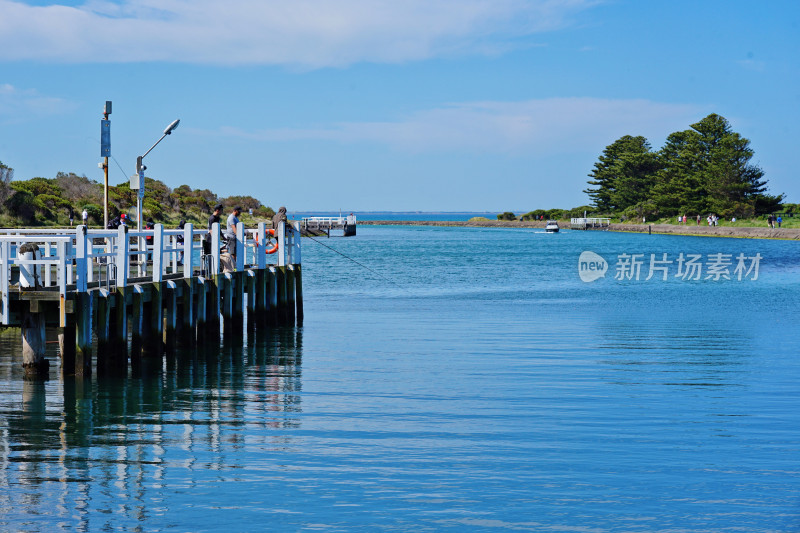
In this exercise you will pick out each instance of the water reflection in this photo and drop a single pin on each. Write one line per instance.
(106, 444)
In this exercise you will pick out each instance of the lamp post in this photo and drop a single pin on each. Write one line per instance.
(140, 168)
(105, 152)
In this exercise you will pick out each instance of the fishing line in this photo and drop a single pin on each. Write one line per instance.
(359, 264)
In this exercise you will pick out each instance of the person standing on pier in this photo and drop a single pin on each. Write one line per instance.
(279, 216)
(214, 218)
(230, 231)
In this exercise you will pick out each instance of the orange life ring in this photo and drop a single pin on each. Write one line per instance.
(274, 248)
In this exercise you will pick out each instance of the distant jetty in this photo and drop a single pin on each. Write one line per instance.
(669, 229)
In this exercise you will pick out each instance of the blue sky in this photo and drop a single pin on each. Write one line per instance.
(451, 105)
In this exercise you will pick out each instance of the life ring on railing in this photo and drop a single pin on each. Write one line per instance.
(270, 232)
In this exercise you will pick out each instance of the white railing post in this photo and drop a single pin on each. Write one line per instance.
(81, 260)
(158, 253)
(261, 239)
(61, 279)
(5, 273)
(173, 255)
(121, 259)
(296, 244)
(188, 250)
(240, 251)
(281, 236)
(214, 249)
(47, 254)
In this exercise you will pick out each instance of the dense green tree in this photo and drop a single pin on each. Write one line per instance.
(707, 169)
(6, 175)
(623, 175)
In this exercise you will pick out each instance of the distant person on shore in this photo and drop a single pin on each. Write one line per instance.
(769, 222)
(279, 216)
(71, 216)
(780, 220)
(85, 217)
(684, 220)
(698, 220)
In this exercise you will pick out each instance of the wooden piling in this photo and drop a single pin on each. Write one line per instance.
(187, 314)
(298, 293)
(282, 300)
(137, 326)
(34, 344)
(102, 317)
(83, 336)
(290, 300)
(120, 332)
(170, 314)
(272, 284)
(67, 342)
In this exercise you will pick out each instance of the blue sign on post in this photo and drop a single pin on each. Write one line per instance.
(105, 138)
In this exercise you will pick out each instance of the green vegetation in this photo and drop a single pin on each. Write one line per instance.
(48, 201)
(703, 170)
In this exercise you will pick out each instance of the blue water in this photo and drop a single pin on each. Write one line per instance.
(466, 379)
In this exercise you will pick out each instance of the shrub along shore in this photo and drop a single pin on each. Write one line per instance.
(746, 232)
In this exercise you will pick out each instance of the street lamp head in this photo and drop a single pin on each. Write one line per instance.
(171, 127)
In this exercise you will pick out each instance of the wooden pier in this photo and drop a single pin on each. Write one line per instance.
(590, 223)
(118, 295)
(324, 225)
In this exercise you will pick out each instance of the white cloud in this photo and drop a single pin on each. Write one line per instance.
(533, 127)
(308, 33)
(23, 104)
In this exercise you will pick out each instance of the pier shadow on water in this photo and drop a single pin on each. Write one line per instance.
(70, 447)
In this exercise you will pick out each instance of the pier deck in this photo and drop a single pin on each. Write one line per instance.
(137, 293)
(324, 225)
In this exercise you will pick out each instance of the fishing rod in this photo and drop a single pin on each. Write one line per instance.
(359, 264)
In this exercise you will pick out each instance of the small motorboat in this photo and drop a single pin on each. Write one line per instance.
(551, 227)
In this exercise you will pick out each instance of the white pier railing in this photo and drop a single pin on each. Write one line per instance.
(589, 223)
(81, 259)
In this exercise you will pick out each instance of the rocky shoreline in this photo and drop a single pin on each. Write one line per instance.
(664, 229)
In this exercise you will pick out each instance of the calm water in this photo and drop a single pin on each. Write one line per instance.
(468, 381)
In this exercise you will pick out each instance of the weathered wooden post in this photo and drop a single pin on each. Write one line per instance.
(272, 284)
(154, 341)
(170, 298)
(261, 301)
(138, 325)
(239, 281)
(121, 309)
(201, 309)
(34, 341)
(66, 313)
(290, 302)
(103, 315)
(213, 290)
(251, 298)
(83, 304)
(281, 273)
(298, 275)
(227, 304)
(187, 316)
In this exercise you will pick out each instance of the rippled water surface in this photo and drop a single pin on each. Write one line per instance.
(467, 379)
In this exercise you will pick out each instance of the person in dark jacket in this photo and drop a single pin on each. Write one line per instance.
(279, 216)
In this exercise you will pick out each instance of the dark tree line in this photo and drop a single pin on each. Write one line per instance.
(705, 169)
(49, 201)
